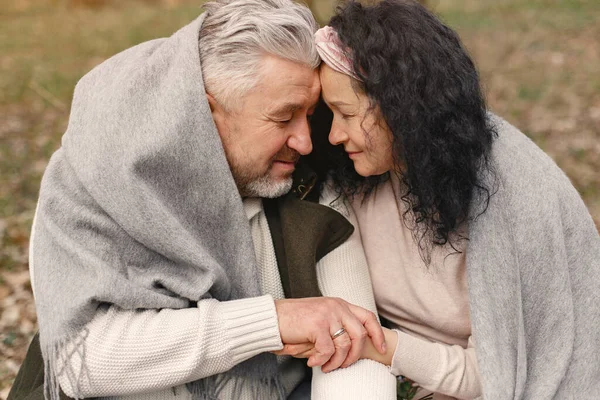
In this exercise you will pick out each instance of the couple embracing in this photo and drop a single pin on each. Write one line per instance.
(255, 208)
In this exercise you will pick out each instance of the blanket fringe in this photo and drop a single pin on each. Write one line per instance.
(65, 359)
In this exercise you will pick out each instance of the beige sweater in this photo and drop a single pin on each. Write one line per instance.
(185, 345)
(429, 306)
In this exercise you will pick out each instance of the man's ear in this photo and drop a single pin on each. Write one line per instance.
(218, 113)
(211, 102)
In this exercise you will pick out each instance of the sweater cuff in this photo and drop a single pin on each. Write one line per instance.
(366, 379)
(410, 355)
(251, 325)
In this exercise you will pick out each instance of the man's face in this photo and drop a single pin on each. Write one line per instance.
(265, 135)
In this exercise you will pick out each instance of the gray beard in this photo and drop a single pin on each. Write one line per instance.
(266, 188)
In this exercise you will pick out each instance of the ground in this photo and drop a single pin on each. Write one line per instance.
(539, 62)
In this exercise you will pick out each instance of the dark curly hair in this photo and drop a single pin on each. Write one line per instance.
(427, 88)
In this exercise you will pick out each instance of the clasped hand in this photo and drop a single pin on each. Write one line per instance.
(307, 326)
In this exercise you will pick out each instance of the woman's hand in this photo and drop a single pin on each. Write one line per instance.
(391, 341)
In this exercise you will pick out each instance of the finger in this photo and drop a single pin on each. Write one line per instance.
(342, 347)
(374, 330)
(357, 334)
(356, 350)
(323, 350)
(295, 349)
(306, 354)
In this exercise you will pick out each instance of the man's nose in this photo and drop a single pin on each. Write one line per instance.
(300, 139)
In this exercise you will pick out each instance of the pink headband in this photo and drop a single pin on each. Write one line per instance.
(332, 52)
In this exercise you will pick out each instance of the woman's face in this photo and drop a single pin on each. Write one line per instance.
(366, 138)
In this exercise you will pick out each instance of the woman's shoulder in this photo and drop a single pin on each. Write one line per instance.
(521, 166)
(524, 180)
(514, 152)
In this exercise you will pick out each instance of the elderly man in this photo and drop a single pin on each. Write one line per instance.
(154, 262)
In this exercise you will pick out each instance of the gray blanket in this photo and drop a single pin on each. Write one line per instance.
(533, 264)
(138, 207)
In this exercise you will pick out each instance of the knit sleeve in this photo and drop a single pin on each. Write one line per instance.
(450, 370)
(135, 351)
(343, 273)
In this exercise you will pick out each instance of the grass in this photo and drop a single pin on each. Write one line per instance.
(539, 62)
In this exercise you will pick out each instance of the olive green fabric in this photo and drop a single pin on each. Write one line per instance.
(29, 384)
(303, 233)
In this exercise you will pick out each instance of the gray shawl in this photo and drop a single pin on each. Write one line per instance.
(533, 263)
(138, 208)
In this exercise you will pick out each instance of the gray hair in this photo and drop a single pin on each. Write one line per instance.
(237, 34)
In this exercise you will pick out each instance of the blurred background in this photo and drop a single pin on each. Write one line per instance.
(539, 61)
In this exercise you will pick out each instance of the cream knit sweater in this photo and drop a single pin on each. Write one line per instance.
(151, 354)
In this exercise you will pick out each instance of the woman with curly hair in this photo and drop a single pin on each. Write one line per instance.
(483, 258)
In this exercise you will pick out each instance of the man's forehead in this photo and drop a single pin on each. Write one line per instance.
(288, 107)
(290, 102)
(317, 85)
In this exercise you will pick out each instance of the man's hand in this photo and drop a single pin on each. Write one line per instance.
(315, 320)
(306, 350)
